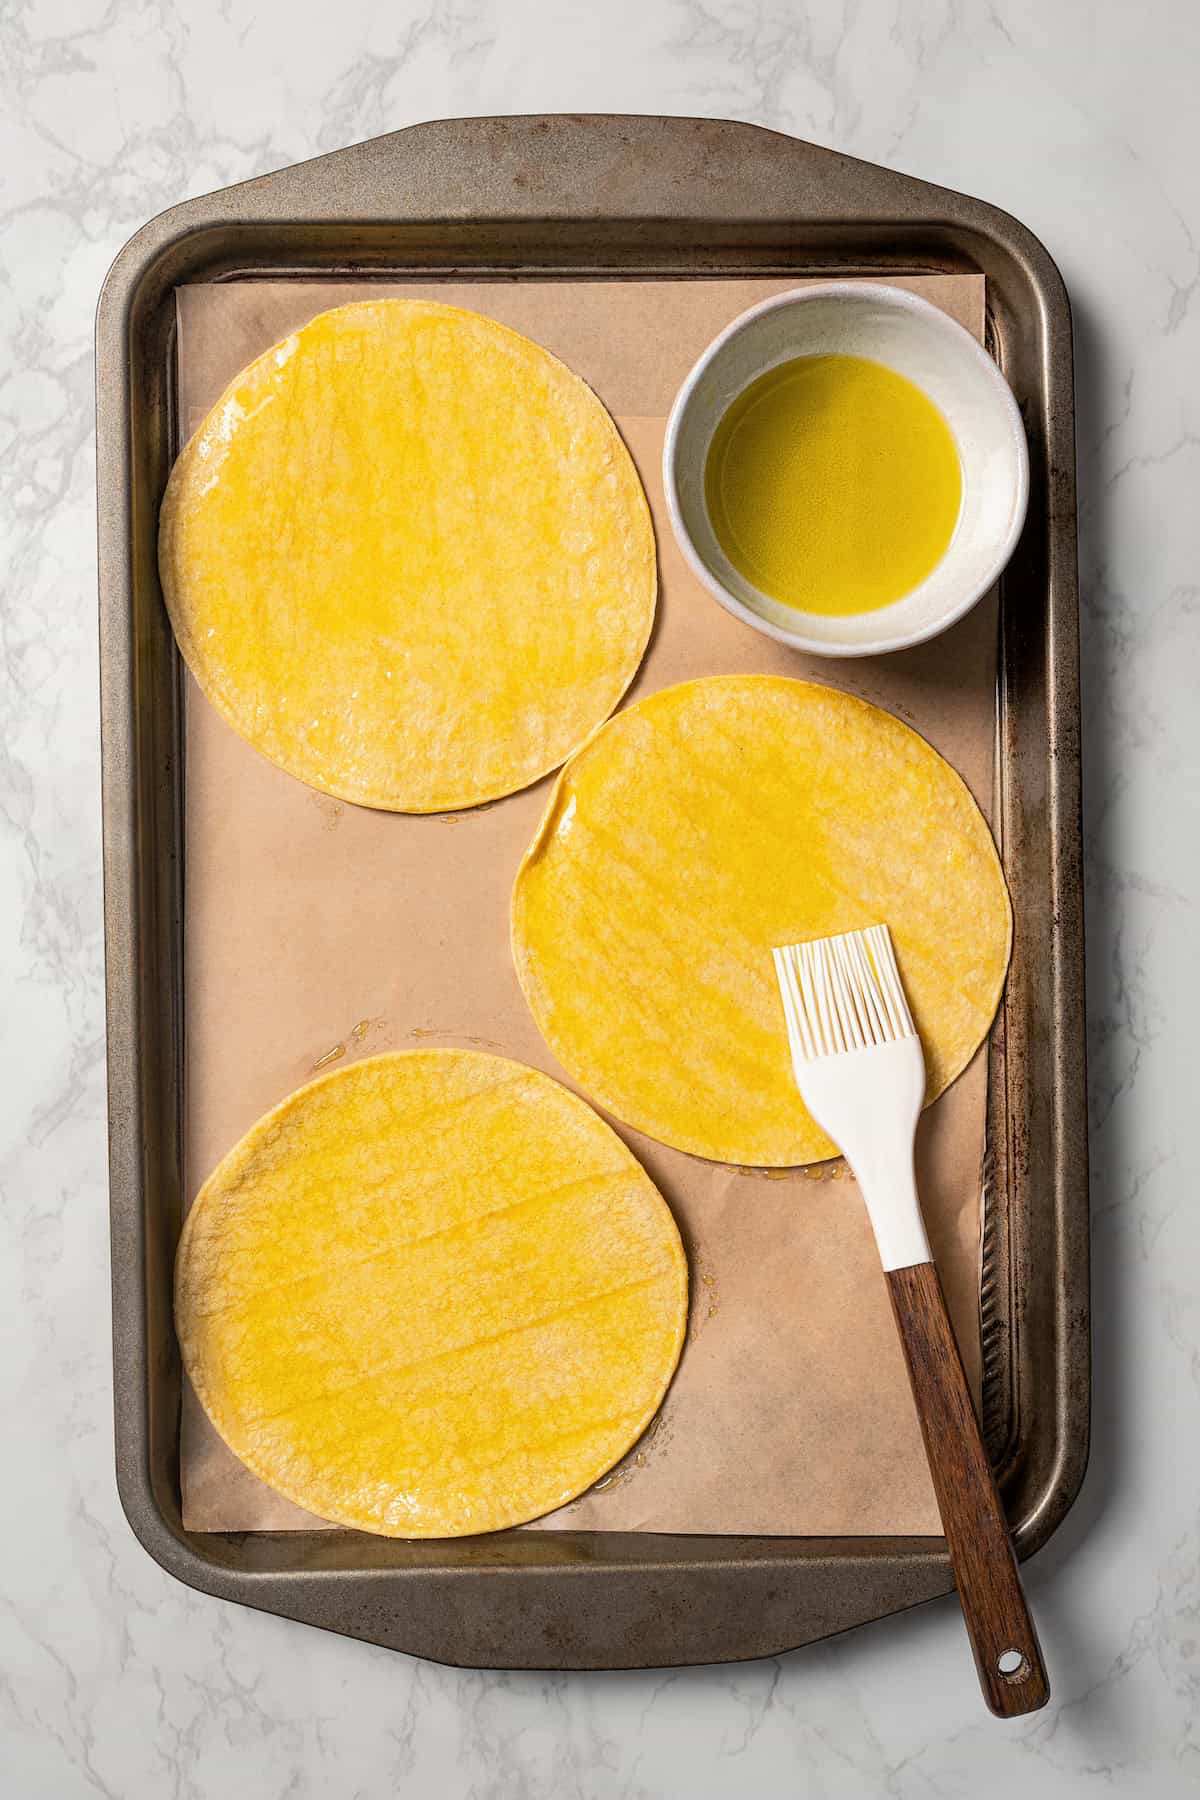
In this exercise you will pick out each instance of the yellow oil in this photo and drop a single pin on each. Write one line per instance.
(833, 484)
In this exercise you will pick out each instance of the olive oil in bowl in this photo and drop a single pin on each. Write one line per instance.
(833, 484)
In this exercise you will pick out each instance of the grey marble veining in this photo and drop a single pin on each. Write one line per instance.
(1078, 117)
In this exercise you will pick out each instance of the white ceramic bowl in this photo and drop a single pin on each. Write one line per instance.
(905, 333)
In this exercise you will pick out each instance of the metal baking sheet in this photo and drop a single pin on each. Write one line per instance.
(603, 198)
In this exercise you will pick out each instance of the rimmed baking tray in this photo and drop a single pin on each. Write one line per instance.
(605, 198)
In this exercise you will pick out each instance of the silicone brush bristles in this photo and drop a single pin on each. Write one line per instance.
(842, 993)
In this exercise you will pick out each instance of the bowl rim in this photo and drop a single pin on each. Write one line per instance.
(965, 345)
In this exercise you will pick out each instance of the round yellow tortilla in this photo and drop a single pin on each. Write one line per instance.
(701, 827)
(408, 557)
(430, 1294)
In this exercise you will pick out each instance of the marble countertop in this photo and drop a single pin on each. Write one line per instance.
(1080, 118)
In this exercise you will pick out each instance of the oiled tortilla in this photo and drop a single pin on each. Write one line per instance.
(430, 1294)
(701, 827)
(408, 556)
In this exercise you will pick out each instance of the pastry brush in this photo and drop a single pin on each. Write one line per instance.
(861, 1074)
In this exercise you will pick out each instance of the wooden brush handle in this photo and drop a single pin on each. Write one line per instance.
(981, 1552)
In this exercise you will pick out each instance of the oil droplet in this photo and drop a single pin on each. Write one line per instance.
(330, 1056)
(714, 1303)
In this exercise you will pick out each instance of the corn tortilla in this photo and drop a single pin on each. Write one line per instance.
(408, 557)
(706, 824)
(431, 1294)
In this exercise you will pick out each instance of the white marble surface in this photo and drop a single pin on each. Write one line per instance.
(1080, 118)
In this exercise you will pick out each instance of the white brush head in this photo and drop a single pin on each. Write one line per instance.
(842, 993)
(860, 1070)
